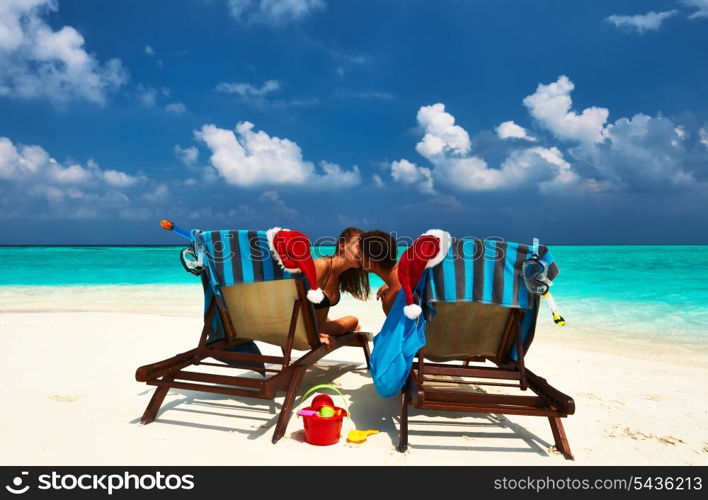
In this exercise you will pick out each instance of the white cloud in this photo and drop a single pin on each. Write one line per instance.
(118, 179)
(442, 136)
(530, 166)
(239, 7)
(248, 158)
(641, 153)
(176, 108)
(563, 176)
(261, 95)
(701, 7)
(249, 90)
(38, 62)
(32, 163)
(551, 106)
(147, 96)
(703, 136)
(367, 95)
(71, 174)
(296, 103)
(408, 173)
(448, 147)
(243, 212)
(335, 176)
(28, 174)
(276, 204)
(651, 21)
(510, 130)
(161, 193)
(377, 181)
(341, 55)
(151, 52)
(189, 156)
(274, 12)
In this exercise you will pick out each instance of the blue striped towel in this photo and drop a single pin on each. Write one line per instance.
(486, 271)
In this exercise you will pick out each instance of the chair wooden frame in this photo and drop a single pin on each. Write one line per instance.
(547, 401)
(173, 373)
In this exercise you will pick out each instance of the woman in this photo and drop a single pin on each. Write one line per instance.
(378, 255)
(341, 272)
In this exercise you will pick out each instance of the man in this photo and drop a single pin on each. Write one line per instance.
(378, 255)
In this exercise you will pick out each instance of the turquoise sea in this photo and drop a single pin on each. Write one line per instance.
(649, 290)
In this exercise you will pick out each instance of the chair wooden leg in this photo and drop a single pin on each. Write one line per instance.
(403, 436)
(286, 410)
(560, 438)
(365, 345)
(154, 405)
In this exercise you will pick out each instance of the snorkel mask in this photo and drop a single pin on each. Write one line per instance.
(190, 261)
(535, 271)
(535, 274)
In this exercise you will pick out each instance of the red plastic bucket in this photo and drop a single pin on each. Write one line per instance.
(323, 431)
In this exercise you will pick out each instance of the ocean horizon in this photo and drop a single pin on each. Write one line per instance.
(653, 290)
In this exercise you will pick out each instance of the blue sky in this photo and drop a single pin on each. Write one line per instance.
(573, 121)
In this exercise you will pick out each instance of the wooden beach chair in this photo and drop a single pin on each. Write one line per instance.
(247, 299)
(473, 360)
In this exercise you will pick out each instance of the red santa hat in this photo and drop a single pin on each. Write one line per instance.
(428, 250)
(291, 250)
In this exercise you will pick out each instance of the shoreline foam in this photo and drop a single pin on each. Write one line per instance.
(187, 301)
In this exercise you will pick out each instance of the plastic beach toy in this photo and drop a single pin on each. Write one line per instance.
(323, 420)
(327, 411)
(321, 400)
(359, 437)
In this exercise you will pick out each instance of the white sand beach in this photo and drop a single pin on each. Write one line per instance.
(70, 397)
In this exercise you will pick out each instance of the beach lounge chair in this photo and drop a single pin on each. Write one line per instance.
(248, 297)
(479, 323)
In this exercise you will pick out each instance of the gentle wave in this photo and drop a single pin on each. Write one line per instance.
(656, 290)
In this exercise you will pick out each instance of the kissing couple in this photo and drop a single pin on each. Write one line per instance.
(357, 253)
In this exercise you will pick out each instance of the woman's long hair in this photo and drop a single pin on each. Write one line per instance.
(354, 281)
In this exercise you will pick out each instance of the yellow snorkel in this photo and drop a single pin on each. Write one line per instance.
(557, 318)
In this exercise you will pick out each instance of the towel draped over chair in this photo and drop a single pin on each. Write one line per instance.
(484, 271)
